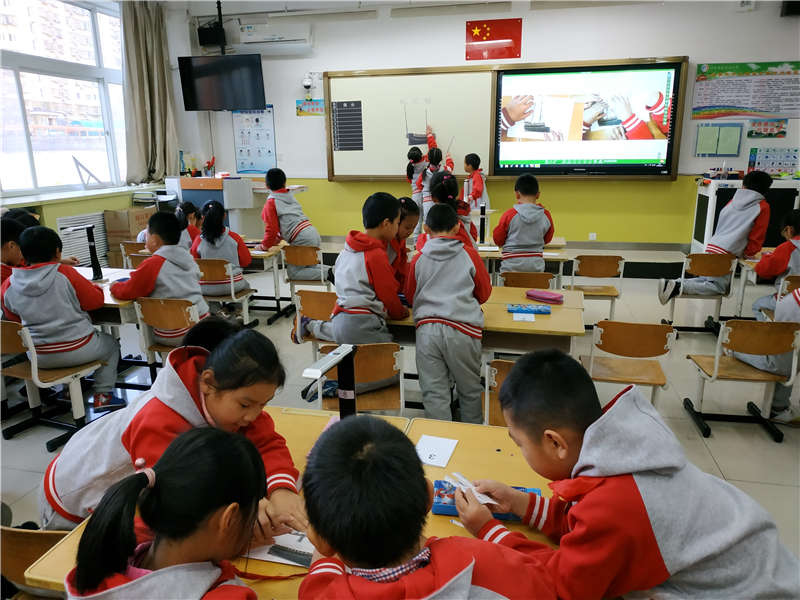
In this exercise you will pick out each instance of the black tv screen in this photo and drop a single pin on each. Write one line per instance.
(588, 120)
(230, 82)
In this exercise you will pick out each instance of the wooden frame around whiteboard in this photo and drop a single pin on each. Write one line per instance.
(494, 68)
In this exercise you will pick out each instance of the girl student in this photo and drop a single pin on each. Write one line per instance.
(424, 180)
(200, 500)
(396, 249)
(217, 241)
(417, 163)
(190, 219)
(444, 188)
(226, 389)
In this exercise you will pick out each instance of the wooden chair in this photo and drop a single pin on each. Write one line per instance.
(636, 342)
(748, 337)
(598, 266)
(496, 373)
(317, 306)
(303, 256)
(706, 265)
(373, 363)
(162, 313)
(540, 281)
(128, 248)
(134, 260)
(16, 339)
(19, 549)
(218, 270)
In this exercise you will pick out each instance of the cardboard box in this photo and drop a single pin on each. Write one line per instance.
(114, 258)
(124, 225)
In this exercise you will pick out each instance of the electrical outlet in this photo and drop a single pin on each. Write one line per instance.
(592, 236)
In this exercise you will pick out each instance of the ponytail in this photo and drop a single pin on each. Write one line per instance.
(183, 211)
(213, 221)
(243, 359)
(435, 156)
(414, 156)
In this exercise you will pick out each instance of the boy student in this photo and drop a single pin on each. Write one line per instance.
(784, 261)
(740, 231)
(631, 514)
(51, 300)
(474, 191)
(10, 254)
(170, 273)
(366, 287)
(446, 284)
(284, 219)
(524, 229)
(367, 500)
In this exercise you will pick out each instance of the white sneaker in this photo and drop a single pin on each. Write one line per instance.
(786, 417)
(665, 289)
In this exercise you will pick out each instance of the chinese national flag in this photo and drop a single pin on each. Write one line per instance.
(492, 39)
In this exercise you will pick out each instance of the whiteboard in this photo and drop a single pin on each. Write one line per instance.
(457, 105)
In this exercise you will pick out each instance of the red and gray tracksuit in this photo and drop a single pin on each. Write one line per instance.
(522, 232)
(52, 301)
(463, 234)
(638, 520)
(231, 247)
(474, 191)
(784, 261)
(447, 283)
(170, 273)
(284, 219)
(397, 253)
(424, 185)
(109, 449)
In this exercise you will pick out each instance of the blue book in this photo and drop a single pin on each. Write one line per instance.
(530, 309)
(444, 500)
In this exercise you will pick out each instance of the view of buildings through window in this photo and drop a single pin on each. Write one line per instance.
(60, 94)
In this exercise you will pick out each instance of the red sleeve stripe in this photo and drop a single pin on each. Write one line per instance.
(281, 479)
(631, 122)
(540, 508)
(495, 534)
(326, 567)
(52, 495)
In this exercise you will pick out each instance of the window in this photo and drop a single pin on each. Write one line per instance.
(61, 100)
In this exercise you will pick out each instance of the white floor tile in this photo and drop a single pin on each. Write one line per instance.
(26, 508)
(15, 483)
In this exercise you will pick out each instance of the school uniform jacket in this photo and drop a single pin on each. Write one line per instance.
(170, 273)
(229, 246)
(5, 272)
(283, 218)
(742, 225)
(51, 300)
(424, 179)
(421, 165)
(365, 281)
(108, 449)
(463, 212)
(447, 283)
(475, 186)
(523, 230)
(459, 568)
(637, 516)
(788, 308)
(784, 261)
(397, 253)
(462, 234)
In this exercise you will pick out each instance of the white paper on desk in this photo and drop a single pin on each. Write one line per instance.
(295, 540)
(488, 248)
(435, 451)
(530, 317)
(551, 253)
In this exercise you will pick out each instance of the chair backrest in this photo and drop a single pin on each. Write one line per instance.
(759, 337)
(300, 256)
(128, 248)
(790, 284)
(710, 265)
(373, 362)
(166, 313)
(498, 371)
(22, 547)
(214, 269)
(316, 305)
(10, 338)
(137, 259)
(636, 340)
(598, 265)
(527, 280)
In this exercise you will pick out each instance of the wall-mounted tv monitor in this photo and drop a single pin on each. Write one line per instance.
(616, 120)
(229, 82)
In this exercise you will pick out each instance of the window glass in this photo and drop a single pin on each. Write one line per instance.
(15, 169)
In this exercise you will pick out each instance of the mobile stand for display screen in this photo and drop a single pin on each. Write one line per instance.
(415, 139)
(342, 357)
(97, 271)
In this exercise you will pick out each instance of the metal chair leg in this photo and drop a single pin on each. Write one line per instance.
(613, 306)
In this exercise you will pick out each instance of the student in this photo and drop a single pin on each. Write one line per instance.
(447, 283)
(366, 287)
(189, 219)
(217, 241)
(444, 190)
(170, 272)
(784, 261)
(284, 219)
(524, 229)
(367, 500)
(417, 163)
(22, 216)
(10, 254)
(629, 511)
(227, 389)
(200, 500)
(52, 301)
(424, 180)
(397, 249)
(741, 228)
(474, 191)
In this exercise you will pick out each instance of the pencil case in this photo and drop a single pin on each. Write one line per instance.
(545, 296)
(444, 500)
(531, 309)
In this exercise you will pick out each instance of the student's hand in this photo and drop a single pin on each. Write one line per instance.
(520, 107)
(506, 499)
(470, 199)
(262, 529)
(405, 315)
(70, 260)
(286, 508)
(554, 136)
(617, 133)
(622, 106)
(428, 130)
(472, 513)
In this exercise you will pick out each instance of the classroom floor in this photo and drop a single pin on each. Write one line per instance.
(742, 454)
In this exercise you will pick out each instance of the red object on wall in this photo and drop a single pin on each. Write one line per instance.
(495, 38)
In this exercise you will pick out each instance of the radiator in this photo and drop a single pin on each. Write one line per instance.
(76, 243)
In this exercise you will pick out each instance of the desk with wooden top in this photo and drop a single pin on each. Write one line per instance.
(114, 311)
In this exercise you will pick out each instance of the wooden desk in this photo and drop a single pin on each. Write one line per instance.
(550, 253)
(513, 295)
(110, 275)
(270, 260)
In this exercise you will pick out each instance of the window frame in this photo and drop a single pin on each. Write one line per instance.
(18, 62)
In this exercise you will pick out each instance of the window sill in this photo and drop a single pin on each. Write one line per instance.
(73, 195)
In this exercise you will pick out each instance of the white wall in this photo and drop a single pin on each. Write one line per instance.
(705, 31)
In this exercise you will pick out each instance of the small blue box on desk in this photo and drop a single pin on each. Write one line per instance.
(444, 500)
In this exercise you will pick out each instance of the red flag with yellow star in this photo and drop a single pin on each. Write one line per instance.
(495, 38)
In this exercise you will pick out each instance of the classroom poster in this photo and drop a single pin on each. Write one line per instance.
(310, 108)
(778, 162)
(254, 140)
(767, 128)
(767, 89)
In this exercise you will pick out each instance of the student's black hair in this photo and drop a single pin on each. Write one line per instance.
(377, 207)
(435, 156)
(165, 225)
(444, 188)
(414, 156)
(25, 217)
(758, 181)
(527, 185)
(39, 244)
(202, 470)
(441, 217)
(548, 389)
(243, 359)
(10, 230)
(791, 219)
(275, 179)
(183, 211)
(407, 207)
(473, 160)
(209, 332)
(213, 220)
(365, 491)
